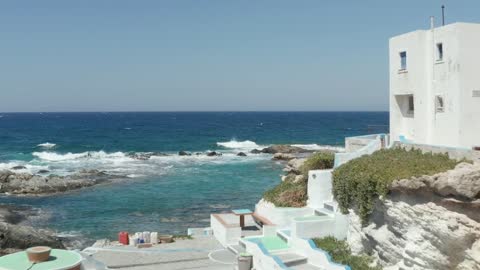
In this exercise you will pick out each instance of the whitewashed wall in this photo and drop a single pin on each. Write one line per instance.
(454, 78)
(224, 234)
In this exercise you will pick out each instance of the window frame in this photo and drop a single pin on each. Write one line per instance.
(403, 64)
(439, 51)
(410, 104)
(439, 100)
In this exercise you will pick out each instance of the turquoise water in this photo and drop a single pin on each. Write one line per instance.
(166, 194)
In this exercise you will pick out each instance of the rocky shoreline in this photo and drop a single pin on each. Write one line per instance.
(15, 236)
(15, 182)
(25, 183)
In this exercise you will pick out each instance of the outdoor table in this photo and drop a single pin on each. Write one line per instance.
(60, 259)
(242, 213)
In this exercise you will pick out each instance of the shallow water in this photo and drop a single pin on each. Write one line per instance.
(166, 194)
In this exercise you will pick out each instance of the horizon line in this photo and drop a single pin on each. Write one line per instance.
(252, 111)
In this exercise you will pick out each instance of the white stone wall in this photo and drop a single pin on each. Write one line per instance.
(454, 78)
(319, 188)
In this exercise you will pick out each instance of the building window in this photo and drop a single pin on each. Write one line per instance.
(411, 105)
(439, 51)
(439, 104)
(403, 60)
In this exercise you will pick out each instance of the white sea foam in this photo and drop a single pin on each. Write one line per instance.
(52, 156)
(315, 147)
(29, 168)
(234, 144)
(47, 145)
(120, 163)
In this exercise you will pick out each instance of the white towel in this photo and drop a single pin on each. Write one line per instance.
(154, 237)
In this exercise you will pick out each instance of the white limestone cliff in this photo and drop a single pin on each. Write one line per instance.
(429, 222)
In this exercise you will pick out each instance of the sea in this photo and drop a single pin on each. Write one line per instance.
(167, 194)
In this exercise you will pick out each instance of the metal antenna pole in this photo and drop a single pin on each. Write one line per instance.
(443, 15)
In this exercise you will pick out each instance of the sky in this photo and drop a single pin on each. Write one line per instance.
(206, 55)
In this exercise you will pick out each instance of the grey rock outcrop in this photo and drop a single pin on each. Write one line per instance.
(25, 183)
(462, 182)
(15, 237)
(284, 148)
(241, 154)
(283, 156)
(184, 153)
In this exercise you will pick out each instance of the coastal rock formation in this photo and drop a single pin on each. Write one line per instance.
(284, 148)
(462, 182)
(283, 156)
(294, 165)
(184, 153)
(241, 154)
(25, 183)
(427, 222)
(15, 237)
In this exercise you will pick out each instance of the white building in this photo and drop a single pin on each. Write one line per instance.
(435, 86)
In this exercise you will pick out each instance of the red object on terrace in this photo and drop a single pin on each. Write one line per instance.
(123, 238)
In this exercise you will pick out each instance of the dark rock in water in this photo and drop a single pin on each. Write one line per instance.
(256, 151)
(241, 154)
(43, 171)
(284, 148)
(184, 153)
(19, 167)
(198, 154)
(213, 153)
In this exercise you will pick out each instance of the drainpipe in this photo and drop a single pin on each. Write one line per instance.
(432, 82)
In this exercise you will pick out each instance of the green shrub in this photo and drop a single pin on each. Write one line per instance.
(359, 182)
(318, 161)
(288, 193)
(342, 254)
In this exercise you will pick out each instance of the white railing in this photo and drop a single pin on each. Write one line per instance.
(375, 143)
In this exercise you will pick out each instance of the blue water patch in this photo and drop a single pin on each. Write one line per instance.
(162, 193)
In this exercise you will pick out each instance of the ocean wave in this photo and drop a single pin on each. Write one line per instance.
(127, 164)
(22, 167)
(315, 147)
(46, 145)
(52, 156)
(234, 144)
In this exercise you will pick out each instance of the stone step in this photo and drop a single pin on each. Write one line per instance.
(284, 234)
(332, 206)
(323, 212)
(236, 249)
(305, 266)
(291, 258)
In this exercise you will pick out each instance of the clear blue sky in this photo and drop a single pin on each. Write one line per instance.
(204, 55)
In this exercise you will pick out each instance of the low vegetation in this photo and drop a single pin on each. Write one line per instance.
(318, 161)
(288, 193)
(360, 182)
(292, 192)
(342, 254)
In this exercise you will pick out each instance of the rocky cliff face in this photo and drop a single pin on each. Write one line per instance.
(429, 222)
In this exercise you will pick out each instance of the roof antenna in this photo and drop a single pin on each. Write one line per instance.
(443, 15)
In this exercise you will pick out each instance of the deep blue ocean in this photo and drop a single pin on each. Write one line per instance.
(164, 194)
